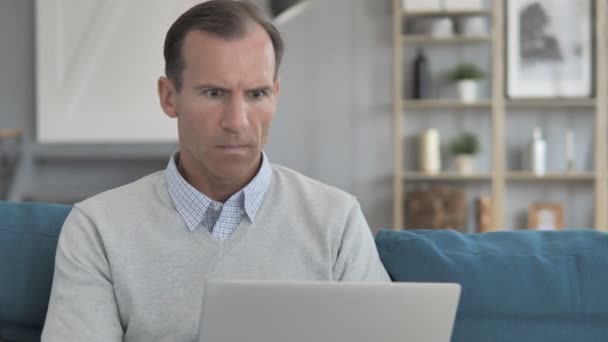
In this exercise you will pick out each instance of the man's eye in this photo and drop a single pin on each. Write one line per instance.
(213, 93)
(257, 94)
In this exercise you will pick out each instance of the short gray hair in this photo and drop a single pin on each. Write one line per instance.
(228, 19)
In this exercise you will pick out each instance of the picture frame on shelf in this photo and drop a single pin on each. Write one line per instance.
(545, 59)
(483, 214)
(546, 216)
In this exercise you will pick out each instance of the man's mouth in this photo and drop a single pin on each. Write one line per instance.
(232, 147)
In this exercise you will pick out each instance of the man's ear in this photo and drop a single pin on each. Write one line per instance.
(277, 86)
(167, 95)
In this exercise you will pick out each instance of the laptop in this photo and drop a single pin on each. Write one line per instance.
(273, 311)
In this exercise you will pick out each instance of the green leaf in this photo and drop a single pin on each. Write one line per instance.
(465, 143)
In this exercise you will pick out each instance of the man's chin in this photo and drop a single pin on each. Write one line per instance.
(234, 150)
(231, 165)
(235, 157)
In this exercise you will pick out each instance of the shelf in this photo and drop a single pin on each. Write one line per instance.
(445, 176)
(531, 103)
(449, 13)
(134, 152)
(412, 115)
(565, 176)
(9, 133)
(551, 103)
(446, 104)
(424, 39)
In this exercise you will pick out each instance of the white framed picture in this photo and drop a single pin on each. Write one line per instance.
(549, 48)
(97, 70)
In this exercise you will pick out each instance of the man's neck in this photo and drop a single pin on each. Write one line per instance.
(219, 189)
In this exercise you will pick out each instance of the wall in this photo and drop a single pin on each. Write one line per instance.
(17, 91)
(333, 123)
(335, 111)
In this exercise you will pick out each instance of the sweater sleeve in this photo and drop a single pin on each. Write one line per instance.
(358, 258)
(82, 306)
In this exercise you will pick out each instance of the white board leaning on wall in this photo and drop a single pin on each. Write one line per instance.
(97, 66)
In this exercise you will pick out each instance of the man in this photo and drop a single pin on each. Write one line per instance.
(131, 263)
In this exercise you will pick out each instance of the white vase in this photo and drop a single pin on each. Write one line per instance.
(442, 28)
(467, 89)
(458, 5)
(465, 164)
(430, 154)
(473, 26)
(421, 5)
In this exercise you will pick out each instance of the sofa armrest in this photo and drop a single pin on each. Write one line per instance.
(28, 240)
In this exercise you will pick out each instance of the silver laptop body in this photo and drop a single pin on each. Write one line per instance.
(269, 311)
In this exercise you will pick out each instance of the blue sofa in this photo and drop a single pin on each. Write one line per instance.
(516, 286)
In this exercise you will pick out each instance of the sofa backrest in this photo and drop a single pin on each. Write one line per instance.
(28, 240)
(516, 285)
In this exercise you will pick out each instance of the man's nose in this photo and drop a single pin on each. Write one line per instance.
(235, 115)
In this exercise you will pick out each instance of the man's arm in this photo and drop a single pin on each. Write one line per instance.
(358, 258)
(82, 305)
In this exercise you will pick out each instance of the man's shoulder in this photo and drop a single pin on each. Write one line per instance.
(309, 187)
(145, 189)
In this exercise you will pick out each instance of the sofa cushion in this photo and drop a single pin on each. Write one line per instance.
(28, 240)
(516, 285)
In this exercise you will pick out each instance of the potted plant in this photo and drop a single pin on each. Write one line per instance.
(466, 76)
(464, 147)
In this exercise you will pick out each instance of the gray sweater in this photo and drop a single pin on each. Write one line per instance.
(127, 267)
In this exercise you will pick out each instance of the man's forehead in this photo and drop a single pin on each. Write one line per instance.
(211, 56)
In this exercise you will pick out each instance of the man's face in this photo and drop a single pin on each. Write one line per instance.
(226, 103)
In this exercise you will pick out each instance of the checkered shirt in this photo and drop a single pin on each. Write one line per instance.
(220, 219)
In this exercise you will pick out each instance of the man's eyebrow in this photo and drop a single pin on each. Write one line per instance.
(208, 86)
(261, 87)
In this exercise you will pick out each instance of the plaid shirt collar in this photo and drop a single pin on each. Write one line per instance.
(193, 204)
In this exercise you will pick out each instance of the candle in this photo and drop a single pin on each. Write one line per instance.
(430, 156)
(570, 149)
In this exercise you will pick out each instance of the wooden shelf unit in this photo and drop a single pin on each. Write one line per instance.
(498, 105)
(9, 133)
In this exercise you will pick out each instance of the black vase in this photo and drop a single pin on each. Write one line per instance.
(421, 86)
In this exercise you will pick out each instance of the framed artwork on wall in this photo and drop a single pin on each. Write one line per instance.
(549, 47)
(546, 216)
(96, 74)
